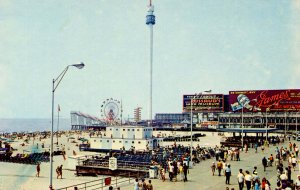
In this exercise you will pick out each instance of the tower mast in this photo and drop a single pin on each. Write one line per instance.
(150, 21)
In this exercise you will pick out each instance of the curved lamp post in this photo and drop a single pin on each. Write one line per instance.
(55, 83)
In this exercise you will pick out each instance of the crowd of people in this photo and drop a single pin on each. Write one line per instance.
(284, 162)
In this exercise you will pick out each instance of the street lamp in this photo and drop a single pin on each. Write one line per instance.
(55, 83)
(242, 127)
(243, 104)
(297, 123)
(267, 109)
(192, 99)
(285, 124)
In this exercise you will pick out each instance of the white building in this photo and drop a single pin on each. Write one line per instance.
(118, 137)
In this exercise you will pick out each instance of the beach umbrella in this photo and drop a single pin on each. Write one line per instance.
(9, 141)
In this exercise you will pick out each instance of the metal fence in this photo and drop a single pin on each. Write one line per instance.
(101, 184)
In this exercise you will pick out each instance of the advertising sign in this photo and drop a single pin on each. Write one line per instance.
(112, 163)
(265, 100)
(203, 103)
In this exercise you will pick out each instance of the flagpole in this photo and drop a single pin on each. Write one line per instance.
(58, 110)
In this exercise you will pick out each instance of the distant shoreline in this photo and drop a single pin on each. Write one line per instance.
(9, 125)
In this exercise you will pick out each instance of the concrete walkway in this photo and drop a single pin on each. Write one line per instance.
(200, 177)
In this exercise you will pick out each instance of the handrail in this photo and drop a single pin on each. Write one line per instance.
(100, 183)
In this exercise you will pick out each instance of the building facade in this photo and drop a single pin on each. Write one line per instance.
(126, 137)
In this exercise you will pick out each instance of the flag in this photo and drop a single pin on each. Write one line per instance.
(58, 108)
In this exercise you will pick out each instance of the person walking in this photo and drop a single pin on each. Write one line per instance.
(271, 159)
(297, 182)
(255, 147)
(136, 184)
(57, 172)
(257, 184)
(181, 172)
(264, 163)
(60, 170)
(248, 180)
(185, 171)
(241, 179)
(175, 170)
(227, 174)
(171, 170)
(213, 168)
(149, 185)
(294, 162)
(38, 169)
(163, 174)
(219, 167)
(143, 185)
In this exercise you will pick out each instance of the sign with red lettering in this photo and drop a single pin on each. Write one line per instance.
(203, 103)
(107, 181)
(262, 100)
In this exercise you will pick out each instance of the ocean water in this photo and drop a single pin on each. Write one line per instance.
(31, 125)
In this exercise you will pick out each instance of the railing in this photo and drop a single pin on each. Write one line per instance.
(140, 166)
(100, 184)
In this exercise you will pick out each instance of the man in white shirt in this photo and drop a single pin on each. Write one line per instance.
(171, 172)
(248, 180)
(294, 162)
(227, 174)
(283, 176)
(297, 182)
(241, 178)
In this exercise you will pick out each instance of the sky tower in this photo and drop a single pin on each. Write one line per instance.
(150, 21)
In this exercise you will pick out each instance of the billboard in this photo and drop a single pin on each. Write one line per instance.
(265, 100)
(203, 103)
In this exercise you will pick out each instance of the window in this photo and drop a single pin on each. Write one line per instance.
(94, 140)
(126, 141)
(132, 142)
(132, 129)
(138, 129)
(100, 140)
(123, 129)
(117, 129)
(110, 129)
(139, 142)
(128, 129)
(120, 141)
(107, 140)
(113, 141)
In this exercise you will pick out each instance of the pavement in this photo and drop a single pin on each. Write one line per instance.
(200, 176)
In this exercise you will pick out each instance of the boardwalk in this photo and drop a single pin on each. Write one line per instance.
(22, 176)
(200, 177)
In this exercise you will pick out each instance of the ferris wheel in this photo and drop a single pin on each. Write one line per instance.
(111, 110)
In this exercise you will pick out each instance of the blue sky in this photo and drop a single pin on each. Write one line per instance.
(198, 45)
